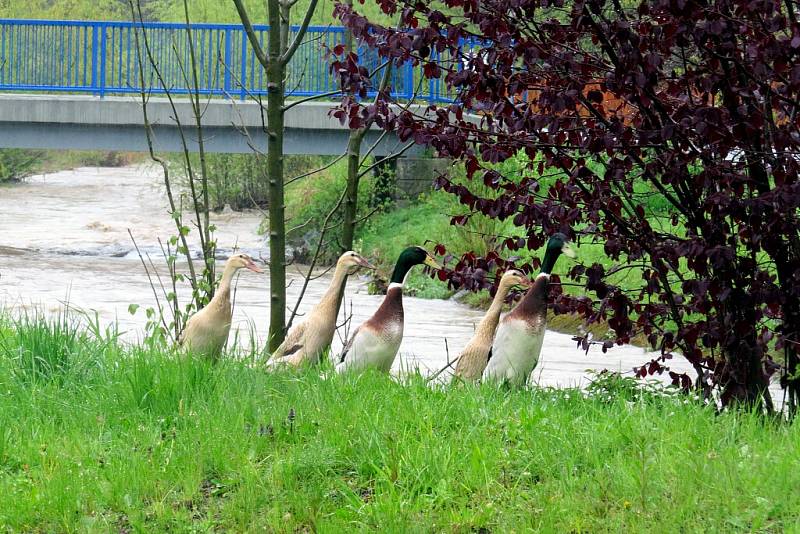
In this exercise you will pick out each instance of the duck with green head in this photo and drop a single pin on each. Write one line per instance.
(374, 344)
(518, 341)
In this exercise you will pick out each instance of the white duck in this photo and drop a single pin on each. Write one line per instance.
(473, 359)
(307, 341)
(206, 331)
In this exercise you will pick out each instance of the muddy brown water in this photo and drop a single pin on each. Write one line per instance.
(64, 238)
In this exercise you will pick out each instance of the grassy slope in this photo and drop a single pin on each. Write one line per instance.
(168, 10)
(110, 439)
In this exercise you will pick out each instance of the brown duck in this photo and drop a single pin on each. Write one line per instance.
(518, 341)
(375, 343)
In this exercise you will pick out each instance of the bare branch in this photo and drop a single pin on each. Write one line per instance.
(289, 52)
(318, 169)
(390, 157)
(149, 131)
(303, 100)
(251, 34)
(152, 285)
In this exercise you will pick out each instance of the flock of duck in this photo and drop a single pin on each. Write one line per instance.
(502, 350)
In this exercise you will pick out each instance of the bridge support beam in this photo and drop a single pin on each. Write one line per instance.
(82, 122)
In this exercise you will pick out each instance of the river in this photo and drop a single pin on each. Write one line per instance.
(64, 237)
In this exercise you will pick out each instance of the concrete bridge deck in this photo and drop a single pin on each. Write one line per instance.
(84, 122)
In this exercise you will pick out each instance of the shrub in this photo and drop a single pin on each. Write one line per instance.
(16, 164)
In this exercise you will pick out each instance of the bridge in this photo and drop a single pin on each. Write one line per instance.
(78, 85)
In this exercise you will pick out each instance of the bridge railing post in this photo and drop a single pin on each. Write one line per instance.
(228, 62)
(409, 81)
(95, 53)
(103, 43)
(243, 76)
(431, 84)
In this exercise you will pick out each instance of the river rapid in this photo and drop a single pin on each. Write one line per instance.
(64, 238)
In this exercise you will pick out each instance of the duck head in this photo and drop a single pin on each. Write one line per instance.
(352, 262)
(513, 277)
(242, 261)
(557, 245)
(409, 258)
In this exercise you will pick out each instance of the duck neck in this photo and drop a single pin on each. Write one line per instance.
(488, 324)
(549, 260)
(401, 269)
(391, 309)
(535, 300)
(224, 289)
(333, 295)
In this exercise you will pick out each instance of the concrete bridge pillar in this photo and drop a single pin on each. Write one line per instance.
(415, 174)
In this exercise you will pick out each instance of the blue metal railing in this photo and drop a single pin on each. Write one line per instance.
(100, 58)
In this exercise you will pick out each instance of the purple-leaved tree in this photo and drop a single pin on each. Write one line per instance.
(693, 104)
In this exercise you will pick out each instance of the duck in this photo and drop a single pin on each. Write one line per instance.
(518, 341)
(473, 358)
(374, 344)
(206, 331)
(307, 341)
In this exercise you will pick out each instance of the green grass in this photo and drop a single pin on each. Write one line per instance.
(422, 222)
(134, 439)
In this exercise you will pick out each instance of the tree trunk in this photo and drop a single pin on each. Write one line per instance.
(785, 257)
(745, 381)
(277, 226)
(351, 194)
(790, 331)
(353, 165)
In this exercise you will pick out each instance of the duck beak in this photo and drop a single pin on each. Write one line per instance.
(364, 263)
(430, 262)
(568, 251)
(525, 282)
(253, 267)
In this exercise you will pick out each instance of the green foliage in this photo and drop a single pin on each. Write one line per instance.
(167, 10)
(67, 9)
(16, 163)
(610, 386)
(237, 180)
(385, 235)
(428, 218)
(144, 441)
(41, 161)
(240, 180)
(216, 11)
(310, 199)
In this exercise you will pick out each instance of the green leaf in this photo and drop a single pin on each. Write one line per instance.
(132, 308)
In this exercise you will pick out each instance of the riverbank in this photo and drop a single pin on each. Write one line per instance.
(425, 220)
(99, 437)
(64, 241)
